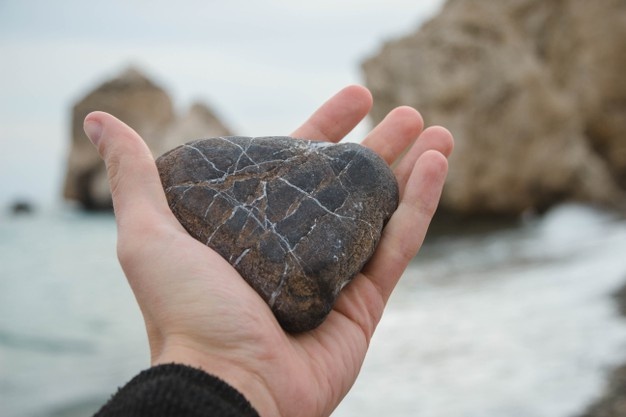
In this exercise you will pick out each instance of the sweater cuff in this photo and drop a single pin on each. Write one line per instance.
(177, 390)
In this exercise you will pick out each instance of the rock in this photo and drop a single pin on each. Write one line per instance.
(612, 403)
(297, 219)
(620, 299)
(517, 83)
(586, 54)
(145, 106)
(20, 207)
(132, 98)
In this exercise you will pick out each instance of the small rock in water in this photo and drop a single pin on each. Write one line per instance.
(297, 219)
(20, 207)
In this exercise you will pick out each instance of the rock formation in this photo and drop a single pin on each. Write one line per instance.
(297, 219)
(148, 109)
(533, 92)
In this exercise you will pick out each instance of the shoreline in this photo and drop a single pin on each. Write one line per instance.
(612, 403)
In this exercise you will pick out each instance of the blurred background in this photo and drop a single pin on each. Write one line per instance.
(513, 307)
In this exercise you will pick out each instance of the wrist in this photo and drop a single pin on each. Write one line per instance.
(249, 383)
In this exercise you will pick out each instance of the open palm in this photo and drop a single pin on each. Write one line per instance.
(200, 312)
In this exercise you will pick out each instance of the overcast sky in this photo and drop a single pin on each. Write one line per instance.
(262, 65)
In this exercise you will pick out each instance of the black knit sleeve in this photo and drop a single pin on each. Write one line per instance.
(177, 390)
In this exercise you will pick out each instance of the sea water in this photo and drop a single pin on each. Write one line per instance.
(518, 322)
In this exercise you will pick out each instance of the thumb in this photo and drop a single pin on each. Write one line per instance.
(133, 177)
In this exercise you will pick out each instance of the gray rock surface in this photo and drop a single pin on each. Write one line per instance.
(297, 219)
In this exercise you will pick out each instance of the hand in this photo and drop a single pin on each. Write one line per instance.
(199, 312)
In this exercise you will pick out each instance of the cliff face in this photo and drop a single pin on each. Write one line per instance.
(145, 107)
(533, 92)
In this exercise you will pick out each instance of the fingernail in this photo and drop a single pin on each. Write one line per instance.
(93, 129)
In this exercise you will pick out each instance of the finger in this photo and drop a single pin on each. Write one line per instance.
(434, 138)
(338, 116)
(133, 177)
(404, 233)
(395, 133)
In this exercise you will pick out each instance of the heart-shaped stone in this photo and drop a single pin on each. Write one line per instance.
(297, 219)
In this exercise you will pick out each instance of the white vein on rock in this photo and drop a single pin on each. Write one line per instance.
(208, 161)
(308, 195)
(279, 287)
